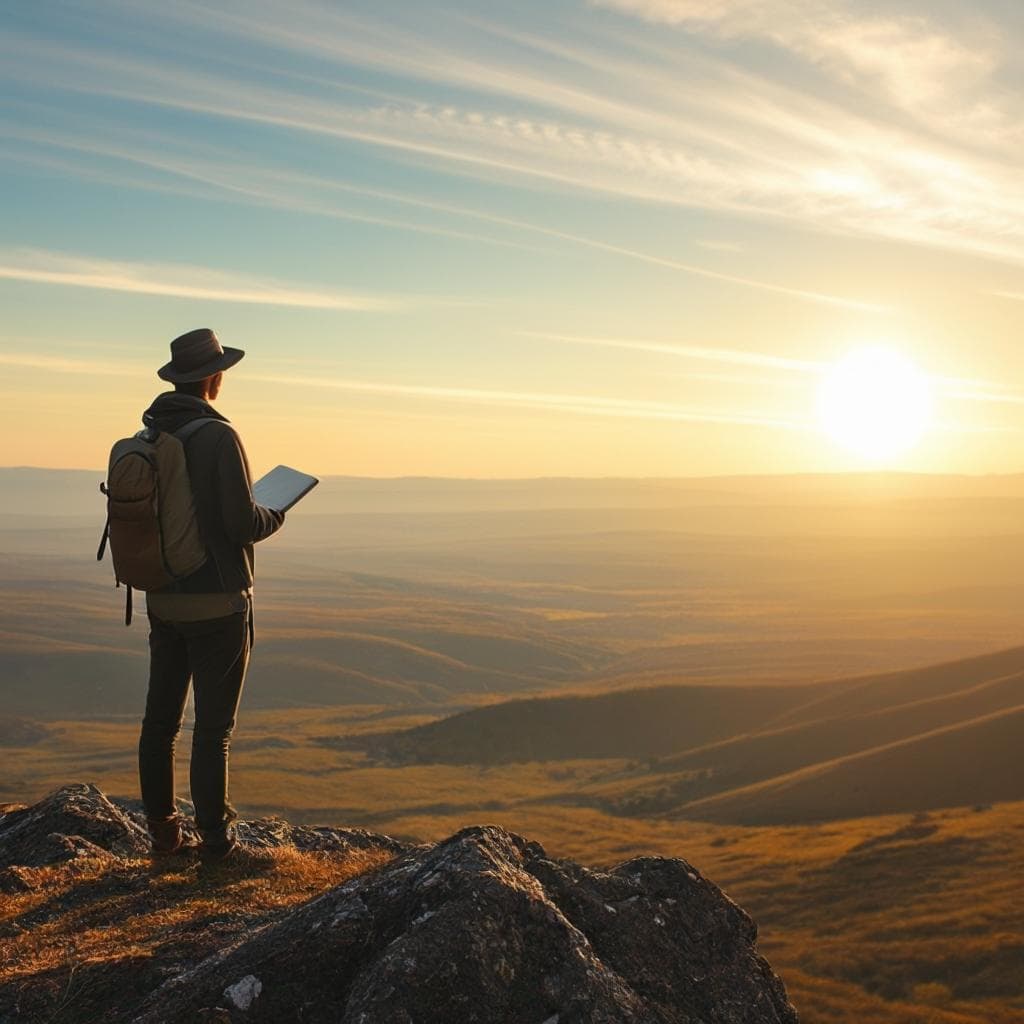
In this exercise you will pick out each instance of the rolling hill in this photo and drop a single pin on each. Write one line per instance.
(776, 752)
(624, 723)
(870, 692)
(973, 763)
(944, 736)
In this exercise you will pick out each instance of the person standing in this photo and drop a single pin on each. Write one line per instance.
(201, 625)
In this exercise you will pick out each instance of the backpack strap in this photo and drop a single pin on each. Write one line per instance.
(105, 536)
(193, 427)
(183, 434)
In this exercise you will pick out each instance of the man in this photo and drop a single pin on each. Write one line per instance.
(201, 625)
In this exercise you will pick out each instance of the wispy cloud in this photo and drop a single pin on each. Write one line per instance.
(60, 364)
(725, 139)
(719, 137)
(986, 394)
(213, 174)
(733, 357)
(904, 52)
(313, 194)
(947, 387)
(173, 280)
(588, 405)
(635, 120)
(580, 404)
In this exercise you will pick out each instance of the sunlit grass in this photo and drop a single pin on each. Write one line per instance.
(89, 927)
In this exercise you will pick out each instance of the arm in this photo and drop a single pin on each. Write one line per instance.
(245, 522)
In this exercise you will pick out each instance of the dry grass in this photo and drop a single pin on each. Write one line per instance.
(95, 936)
(824, 1001)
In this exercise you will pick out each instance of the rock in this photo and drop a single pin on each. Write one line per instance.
(275, 832)
(78, 821)
(74, 821)
(484, 927)
(245, 992)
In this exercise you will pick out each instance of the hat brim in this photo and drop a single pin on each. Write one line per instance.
(222, 362)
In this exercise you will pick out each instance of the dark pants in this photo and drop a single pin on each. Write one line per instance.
(213, 655)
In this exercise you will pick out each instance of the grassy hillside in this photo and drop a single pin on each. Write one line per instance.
(772, 753)
(625, 723)
(889, 689)
(975, 762)
(943, 736)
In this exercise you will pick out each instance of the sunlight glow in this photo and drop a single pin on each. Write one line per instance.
(875, 403)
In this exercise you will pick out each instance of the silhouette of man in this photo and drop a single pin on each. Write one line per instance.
(201, 625)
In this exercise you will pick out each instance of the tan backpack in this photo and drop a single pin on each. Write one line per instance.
(151, 518)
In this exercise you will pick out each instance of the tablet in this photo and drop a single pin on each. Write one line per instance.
(282, 488)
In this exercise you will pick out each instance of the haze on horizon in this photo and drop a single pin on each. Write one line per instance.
(606, 238)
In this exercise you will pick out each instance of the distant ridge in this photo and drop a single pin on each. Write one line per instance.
(683, 780)
(878, 690)
(941, 736)
(30, 489)
(646, 722)
(971, 763)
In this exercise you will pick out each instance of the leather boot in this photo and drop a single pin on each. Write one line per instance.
(167, 836)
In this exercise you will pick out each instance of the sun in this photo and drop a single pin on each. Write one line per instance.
(875, 403)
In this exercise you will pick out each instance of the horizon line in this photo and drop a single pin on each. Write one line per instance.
(866, 471)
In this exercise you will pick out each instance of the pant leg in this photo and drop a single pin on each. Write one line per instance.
(218, 652)
(169, 674)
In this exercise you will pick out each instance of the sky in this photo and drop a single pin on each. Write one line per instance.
(559, 238)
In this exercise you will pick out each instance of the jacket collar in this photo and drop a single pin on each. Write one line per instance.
(171, 411)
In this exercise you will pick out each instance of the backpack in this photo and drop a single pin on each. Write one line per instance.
(151, 519)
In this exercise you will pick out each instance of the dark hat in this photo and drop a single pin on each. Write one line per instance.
(196, 356)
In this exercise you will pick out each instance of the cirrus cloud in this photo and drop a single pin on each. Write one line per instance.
(175, 281)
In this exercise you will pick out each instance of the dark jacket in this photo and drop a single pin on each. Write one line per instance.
(230, 522)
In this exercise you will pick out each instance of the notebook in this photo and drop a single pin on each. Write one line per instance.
(282, 488)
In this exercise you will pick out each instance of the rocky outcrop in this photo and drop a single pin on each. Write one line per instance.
(71, 822)
(79, 820)
(482, 927)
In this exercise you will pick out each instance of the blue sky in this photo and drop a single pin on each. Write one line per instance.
(623, 237)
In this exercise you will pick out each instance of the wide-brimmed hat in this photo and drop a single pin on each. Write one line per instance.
(196, 356)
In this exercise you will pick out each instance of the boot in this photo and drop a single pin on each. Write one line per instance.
(224, 850)
(167, 836)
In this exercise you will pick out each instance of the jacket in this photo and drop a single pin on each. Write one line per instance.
(230, 522)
